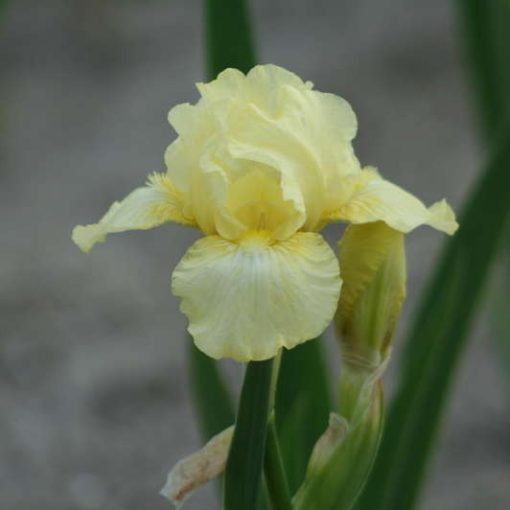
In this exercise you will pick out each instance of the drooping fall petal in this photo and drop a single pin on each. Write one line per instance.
(247, 300)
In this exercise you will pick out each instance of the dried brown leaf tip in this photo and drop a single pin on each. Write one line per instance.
(198, 468)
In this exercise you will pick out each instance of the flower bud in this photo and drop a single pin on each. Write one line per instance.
(327, 443)
(373, 269)
(342, 458)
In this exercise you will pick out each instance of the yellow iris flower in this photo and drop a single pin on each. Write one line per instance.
(261, 164)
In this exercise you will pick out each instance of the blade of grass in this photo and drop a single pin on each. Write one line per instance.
(229, 42)
(213, 403)
(486, 26)
(499, 305)
(303, 403)
(437, 339)
(486, 34)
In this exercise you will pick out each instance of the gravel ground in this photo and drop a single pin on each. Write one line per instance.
(94, 401)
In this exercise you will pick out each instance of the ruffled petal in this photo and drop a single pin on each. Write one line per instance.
(144, 208)
(247, 300)
(375, 199)
(267, 120)
(294, 145)
(261, 87)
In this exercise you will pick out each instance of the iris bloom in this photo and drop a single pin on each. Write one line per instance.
(261, 164)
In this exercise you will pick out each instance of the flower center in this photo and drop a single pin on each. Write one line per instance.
(255, 201)
(257, 239)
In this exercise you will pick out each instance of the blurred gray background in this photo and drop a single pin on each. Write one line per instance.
(94, 400)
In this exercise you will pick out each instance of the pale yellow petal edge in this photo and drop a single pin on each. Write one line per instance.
(371, 198)
(247, 301)
(144, 208)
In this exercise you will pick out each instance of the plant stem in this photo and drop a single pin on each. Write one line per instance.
(276, 479)
(273, 468)
(246, 457)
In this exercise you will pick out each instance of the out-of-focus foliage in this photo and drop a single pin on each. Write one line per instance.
(438, 338)
(213, 403)
(449, 306)
(229, 42)
(485, 30)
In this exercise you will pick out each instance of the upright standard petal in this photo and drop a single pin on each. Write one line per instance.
(246, 300)
(374, 199)
(312, 153)
(143, 208)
